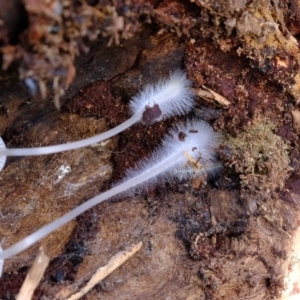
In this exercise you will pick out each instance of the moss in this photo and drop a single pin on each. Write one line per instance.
(260, 157)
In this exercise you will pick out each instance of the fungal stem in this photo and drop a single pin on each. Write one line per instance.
(167, 98)
(73, 145)
(169, 160)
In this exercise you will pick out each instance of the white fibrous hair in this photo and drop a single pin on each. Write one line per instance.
(172, 96)
(167, 98)
(188, 149)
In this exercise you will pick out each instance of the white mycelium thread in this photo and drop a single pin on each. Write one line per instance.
(187, 150)
(167, 98)
(2, 156)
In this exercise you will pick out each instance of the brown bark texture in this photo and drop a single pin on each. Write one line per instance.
(69, 69)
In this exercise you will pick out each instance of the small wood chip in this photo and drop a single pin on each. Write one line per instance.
(211, 96)
(114, 263)
(296, 117)
(34, 276)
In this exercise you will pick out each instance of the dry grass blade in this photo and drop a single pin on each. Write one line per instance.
(34, 276)
(296, 119)
(210, 95)
(115, 262)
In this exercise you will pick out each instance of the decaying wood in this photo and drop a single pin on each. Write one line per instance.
(234, 236)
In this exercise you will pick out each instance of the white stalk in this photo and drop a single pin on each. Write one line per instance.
(2, 157)
(165, 99)
(185, 151)
(70, 146)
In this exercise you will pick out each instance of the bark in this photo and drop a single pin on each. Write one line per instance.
(233, 236)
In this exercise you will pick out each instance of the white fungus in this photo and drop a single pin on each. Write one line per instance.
(2, 156)
(188, 150)
(167, 98)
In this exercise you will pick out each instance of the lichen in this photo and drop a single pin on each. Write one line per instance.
(260, 157)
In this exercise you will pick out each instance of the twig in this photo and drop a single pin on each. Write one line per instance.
(34, 276)
(211, 96)
(103, 272)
